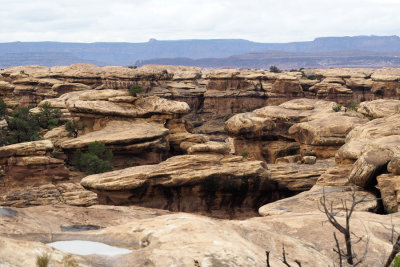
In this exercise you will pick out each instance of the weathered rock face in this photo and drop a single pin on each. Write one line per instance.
(300, 126)
(389, 186)
(380, 108)
(374, 149)
(383, 133)
(208, 92)
(297, 178)
(323, 134)
(132, 127)
(140, 141)
(197, 183)
(32, 177)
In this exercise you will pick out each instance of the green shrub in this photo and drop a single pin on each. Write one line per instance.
(3, 109)
(22, 127)
(228, 116)
(95, 160)
(371, 118)
(48, 117)
(352, 105)
(135, 89)
(274, 69)
(337, 108)
(74, 126)
(54, 154)
(396, 262)
(43, 260)
(245, 154)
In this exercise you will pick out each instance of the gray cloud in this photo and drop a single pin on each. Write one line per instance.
(137, 21)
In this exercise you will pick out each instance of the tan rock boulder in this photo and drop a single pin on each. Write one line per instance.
(269, 151)
(389, 186)
(326, 129)
(274, 121)
(26, 148)
(122, 133)
(75, 195)
(200, 182)
(394, 165)
(323, 134)
(380, 108)
(386, 74)
(383, 133)
(47, 194)
(368, 166)
(308, 201)
(325, 89)
(336, 176)
(210, 147)
(298, 178)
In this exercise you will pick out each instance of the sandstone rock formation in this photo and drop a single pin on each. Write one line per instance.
(302, 126)
(30, 176)
(196, 183)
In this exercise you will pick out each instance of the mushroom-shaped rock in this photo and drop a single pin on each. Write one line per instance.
(120, 133)
(200, 182)
(141, 107)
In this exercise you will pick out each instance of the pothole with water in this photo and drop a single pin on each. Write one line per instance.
(82, 247)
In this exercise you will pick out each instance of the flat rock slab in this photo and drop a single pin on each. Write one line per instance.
(141, 107)
(119, 133)
(26, 149)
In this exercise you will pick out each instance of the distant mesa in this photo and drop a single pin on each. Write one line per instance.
(323, 52)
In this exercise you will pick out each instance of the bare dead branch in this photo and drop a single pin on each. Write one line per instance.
(267, 254)
(349, 255)
(298, 263)
(338, 251)
(284, 256)
(395, 250)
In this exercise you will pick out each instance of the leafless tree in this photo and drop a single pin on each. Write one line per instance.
(349, 255)
(283, 258)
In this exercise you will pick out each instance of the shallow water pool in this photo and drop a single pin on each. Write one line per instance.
(81, 247)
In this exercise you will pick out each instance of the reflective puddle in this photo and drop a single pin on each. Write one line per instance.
(81, 247)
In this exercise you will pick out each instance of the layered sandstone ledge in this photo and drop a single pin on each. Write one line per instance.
(211, 92)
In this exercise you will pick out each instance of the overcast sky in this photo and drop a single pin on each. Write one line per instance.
(140, 20)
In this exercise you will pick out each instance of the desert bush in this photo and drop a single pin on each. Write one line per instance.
(95, 160)
(337, 108)
(352, 105)
(396, 262)
(74, 126)
(274, 69)
(228, 116)
(3, 109)
(245, 154)
(22, 127)
(135, 89)
(48, 117)
(43, 260)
